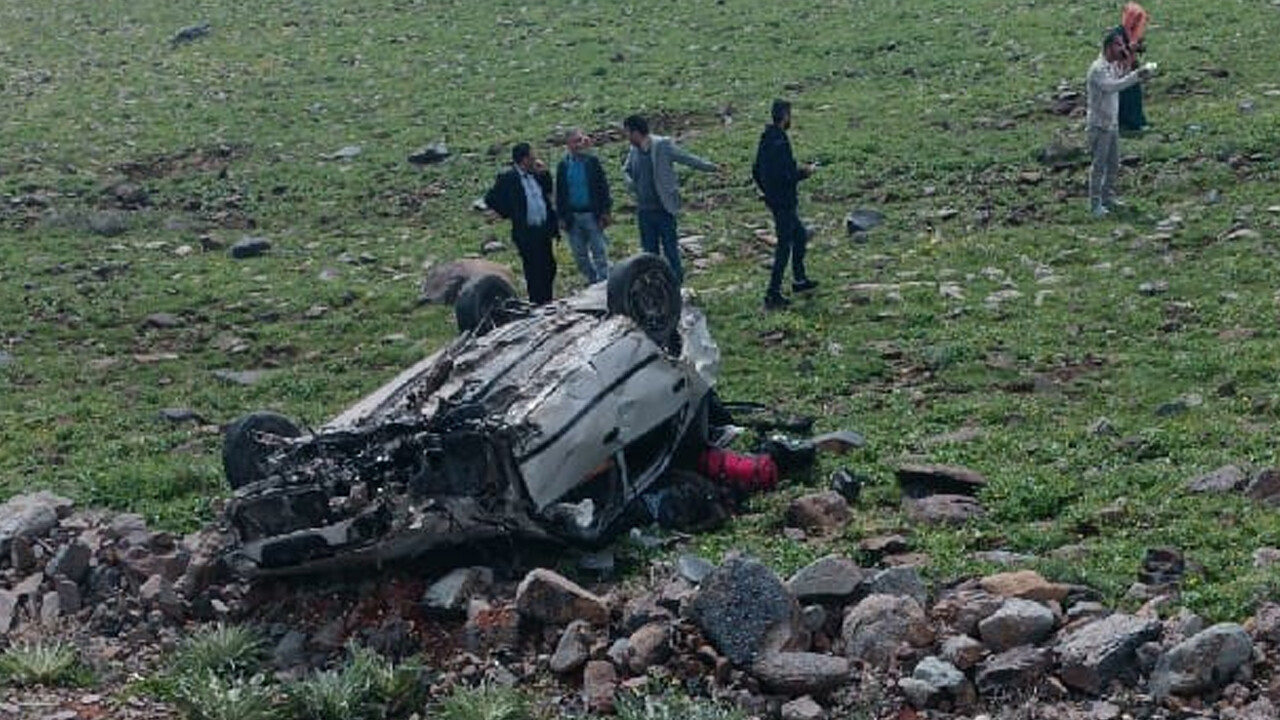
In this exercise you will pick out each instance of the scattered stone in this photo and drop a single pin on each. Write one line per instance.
(50, 609)
(600, 686)
(1095, 654)
(71, 561)
(8, 607)
(574, 648)
(1002, 557)
(1017, 622)
(962, 651)
(443, 282)
(879, 546)
(934, 680)
(22, 556)
(491, 628)
(944, 509)
(157, 592)
(1264, 626)
(249, 247)
(823, 512)
(547, 597)
(492, 247)
(290, 651)
(1151, 289)
(875, 628)
(243, 378)
(434, 153)
(903, 581)
(191, 33)
(745, 611)
(1264, 488)
(30, 516)
(346, 152)
(453, 592)
(1228, 478)
(847, 485)
(919, 481)
(162, 321)
(181, 415)
(1019, 669)
(1025, 584)
(830, 578)
(1162, 566)
(801, 673)
(1204, 662)
(805, 708)
(861, 221)
(693, 568)
(650, 646)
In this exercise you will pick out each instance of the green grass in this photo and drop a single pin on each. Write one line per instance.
(224, 650)
(902, 105)
(487, 702)
(43, 663)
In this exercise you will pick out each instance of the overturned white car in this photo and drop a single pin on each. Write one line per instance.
(536, 421)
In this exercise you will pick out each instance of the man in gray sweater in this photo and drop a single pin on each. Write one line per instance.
(1103, 86)
(651, 177)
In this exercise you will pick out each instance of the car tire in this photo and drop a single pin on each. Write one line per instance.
(644, 288)
(243, 454)
(478, 300)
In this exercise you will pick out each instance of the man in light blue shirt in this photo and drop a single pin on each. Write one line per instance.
(582, 196)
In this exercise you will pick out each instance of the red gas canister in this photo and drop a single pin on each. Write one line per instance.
(740, 471)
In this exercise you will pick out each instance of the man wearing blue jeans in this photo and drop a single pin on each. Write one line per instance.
(582, 197)
(651, 177)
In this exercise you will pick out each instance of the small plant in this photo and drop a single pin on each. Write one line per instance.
(224, 650)
(673, 707)
(485, 703)
(369, 686)
(55, 663)
(205, 695)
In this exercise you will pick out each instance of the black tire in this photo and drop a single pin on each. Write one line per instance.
(478, 300)
(243, 454)
(643, 288)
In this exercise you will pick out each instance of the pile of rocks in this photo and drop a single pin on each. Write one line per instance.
(104, 572)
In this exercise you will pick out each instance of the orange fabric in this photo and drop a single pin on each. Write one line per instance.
(1134, 18)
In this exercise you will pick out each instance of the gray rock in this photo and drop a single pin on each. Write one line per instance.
(451, 593)
(801, 673)
(491, 629)
(574, 648)
(813, 617)
(939, 673)
(158, 593)
(920, 693)
(619, 652)
(30, 516)
(71, 562)
(693, 568)
(191, 33)
(745, 611)
(944, 509)
(22, 555)
(1228, 478)
(900, 581)
(8, 610)
(1265, 488)
(50, 609)
(69, 598)
(1018, 669)
(933, 681)
(443, 282)
(1017, 622)
(1264, 626)
(547, 597)
(919, 481)
(249, 246)
(290, 651)
(434, 153)
(827, 579)
(962, 651)
(822, 512)
(162, 321)
(181, 415)
(650, 646)
(882, 545)
(1204, 662)
(863, 221)
(875, 629)
(243, 378)
(1093, 655)
(805, 708)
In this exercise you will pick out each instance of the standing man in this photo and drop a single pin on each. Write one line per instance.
(582, 194)
(651, 177)
(522, 195)
(776, 173)
(1106, 78)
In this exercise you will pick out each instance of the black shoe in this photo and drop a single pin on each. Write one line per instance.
(775, 301)
(804, 285)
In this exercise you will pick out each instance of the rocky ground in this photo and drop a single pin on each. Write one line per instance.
(833, 640)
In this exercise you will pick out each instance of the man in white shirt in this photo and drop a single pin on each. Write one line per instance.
(1103, 85)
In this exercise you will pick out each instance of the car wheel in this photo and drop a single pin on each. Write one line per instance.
(243, 453)
(478, 300)
(644, 289)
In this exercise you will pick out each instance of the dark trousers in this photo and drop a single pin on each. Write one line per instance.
(658, 227)
(793, 239)
(539, 263)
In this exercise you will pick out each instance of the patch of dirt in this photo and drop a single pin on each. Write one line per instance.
(185, 162)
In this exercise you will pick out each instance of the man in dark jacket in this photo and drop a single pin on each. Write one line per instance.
(776, 173)
(522, 195)
(582, 194)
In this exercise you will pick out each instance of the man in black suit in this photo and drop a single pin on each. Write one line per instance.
(523, 195)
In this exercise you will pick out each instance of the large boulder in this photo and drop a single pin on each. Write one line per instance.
(746, 612)
(823, 512)
(1203, 662)
(1017, 622)
(30, 516)
(828, 579)
(443, 282)
(547, 597)
(1094, 654)
(875, 629)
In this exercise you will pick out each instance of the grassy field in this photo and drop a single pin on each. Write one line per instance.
(989, 300)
